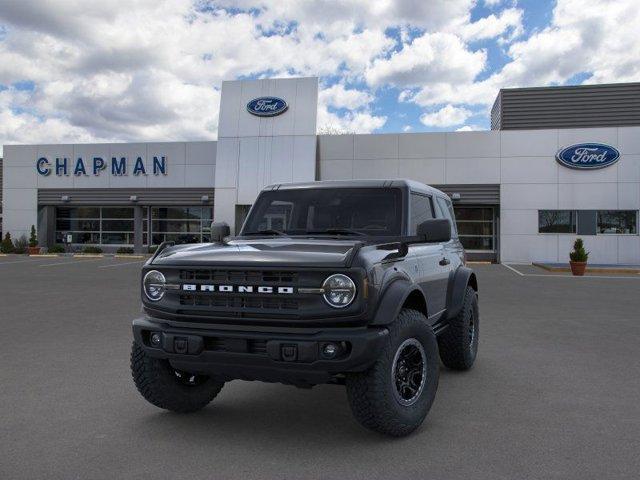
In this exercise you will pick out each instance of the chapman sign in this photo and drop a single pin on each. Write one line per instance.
(588, 156)
(118, 166)
(267, 106)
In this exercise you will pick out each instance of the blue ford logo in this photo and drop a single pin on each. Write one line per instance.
(267, 106)
(588, 156)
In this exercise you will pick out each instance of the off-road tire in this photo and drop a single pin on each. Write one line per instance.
(158, 383)
(371, 393)
(458, 346)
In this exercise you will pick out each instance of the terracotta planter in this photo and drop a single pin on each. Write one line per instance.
(578, 268)
(33, 250)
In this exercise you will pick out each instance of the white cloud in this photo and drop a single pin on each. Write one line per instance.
(340, 97)
(407, 128)
(508, 22)
(469, 128)
(151, 69)
(351, 122)
(447, 116)
(325, 14)
(433, 57)
(596, 38)
(357, 119)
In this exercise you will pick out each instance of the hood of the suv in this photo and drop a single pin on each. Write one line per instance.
(262, 252)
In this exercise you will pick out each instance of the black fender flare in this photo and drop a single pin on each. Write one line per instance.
(392, 300)
(458, 282)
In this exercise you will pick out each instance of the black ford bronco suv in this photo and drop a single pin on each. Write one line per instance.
(356, 283)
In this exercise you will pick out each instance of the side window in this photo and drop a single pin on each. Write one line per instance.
(447, 210)
(421, 210)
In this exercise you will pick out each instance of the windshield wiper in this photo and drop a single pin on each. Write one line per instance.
(268, 231)
(337, 231)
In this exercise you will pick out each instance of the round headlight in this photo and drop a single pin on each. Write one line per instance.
(153, 285)
(339, 290)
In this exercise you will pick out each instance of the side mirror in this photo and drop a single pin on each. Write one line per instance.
(219, 230)
(435, 230)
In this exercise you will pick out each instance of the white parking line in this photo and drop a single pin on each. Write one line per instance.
(121, 264)
(31, 260)
(513, 269)
(72, 262)
(550, 275)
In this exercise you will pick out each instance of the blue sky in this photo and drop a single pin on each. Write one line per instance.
(77, 71)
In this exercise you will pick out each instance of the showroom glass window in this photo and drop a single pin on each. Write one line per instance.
(95, 225)
(476, 229)
(556, 221)
(421, 210)
(189, 224)
(618, 222)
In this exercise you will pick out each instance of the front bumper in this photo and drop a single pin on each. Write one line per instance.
(294, 357)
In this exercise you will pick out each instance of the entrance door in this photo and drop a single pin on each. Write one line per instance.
(477, 229)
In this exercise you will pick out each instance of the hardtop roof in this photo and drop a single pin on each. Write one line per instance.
(383, 183)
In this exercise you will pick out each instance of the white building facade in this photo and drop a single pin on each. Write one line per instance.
(514, 201)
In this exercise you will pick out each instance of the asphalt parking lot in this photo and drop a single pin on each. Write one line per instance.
(555, 392)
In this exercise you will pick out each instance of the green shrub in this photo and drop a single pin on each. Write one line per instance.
(125, 250)
(33, 238)
(91, 249)
(57, 248)
(153, 248)
(579, 254)
(7, 244)
(20, 245)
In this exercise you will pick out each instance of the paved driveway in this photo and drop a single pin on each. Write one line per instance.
(555, 392)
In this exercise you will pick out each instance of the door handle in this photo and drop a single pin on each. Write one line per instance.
(444, 261)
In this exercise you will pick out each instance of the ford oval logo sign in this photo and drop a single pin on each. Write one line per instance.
(588, 156)
(267, 106)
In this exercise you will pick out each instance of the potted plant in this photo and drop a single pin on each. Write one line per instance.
(578, 258)
(33, 249)
(20, 245)
(7, 244)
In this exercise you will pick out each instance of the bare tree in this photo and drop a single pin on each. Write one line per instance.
(331, 129)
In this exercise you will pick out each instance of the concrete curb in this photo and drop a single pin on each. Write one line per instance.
(607, 270)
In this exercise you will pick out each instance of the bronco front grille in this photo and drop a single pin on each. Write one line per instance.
(203, 300)
(241, 276)
(206, 295)
(234, 304)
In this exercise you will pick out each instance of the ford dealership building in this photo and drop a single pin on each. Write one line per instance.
(559, 162)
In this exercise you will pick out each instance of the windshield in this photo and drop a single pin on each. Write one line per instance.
(336, 211)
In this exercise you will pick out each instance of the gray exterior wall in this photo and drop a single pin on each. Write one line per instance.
(522, 163)
(567, 107)
(189, 165)
(254, 151)
(122, 196)
(0, 196)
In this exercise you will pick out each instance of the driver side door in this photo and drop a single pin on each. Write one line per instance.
(427, 258)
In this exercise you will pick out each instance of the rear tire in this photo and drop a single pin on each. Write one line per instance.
(394, 396)
(459, 342)
(163, 386)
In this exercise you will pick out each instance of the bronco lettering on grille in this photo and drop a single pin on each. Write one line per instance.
(192, 287)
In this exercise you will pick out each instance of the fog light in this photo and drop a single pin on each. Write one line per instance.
(330, 350)
(156, 339)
